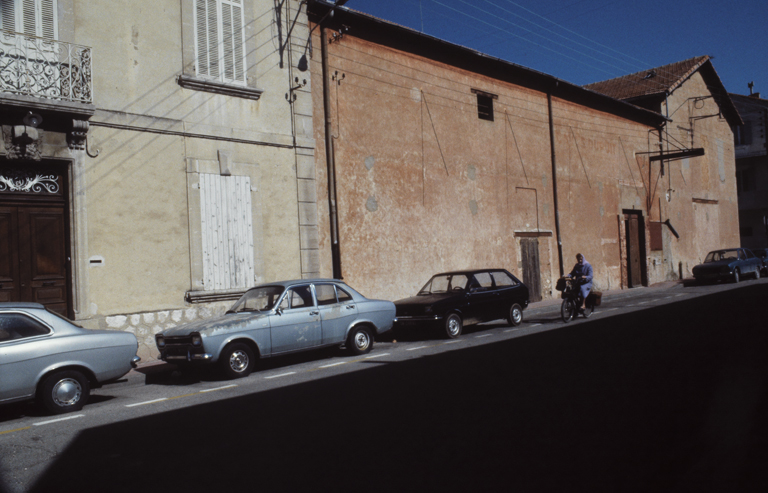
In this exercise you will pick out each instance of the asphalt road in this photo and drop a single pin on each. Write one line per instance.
(661, 390)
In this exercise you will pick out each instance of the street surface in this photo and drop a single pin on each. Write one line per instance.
(661, 390)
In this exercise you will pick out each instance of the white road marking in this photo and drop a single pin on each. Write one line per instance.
(280, 375)
(376, 356)
(334, 364)
(483, 335)
(534, 325)
(146, 402)
(415, 348)
(218, 388)
(608, 310)
(58, 420)
(510, 330)
(451, 342)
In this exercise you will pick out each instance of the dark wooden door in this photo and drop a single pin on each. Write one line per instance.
(33, 256)
(531, 269)
(634, 275)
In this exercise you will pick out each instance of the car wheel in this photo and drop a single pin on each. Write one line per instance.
(453, 326)
(736, 276)
(237, 360)
(566, 310)
(757, 273)
(359, 341)
(515, 315)
(64, 391)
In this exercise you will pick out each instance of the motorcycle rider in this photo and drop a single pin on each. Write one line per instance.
(582, 273)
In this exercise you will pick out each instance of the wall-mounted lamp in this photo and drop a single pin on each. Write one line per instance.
(303, 64)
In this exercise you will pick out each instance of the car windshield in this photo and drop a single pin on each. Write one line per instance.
(719, 255)
(445, 283)
(258, 299)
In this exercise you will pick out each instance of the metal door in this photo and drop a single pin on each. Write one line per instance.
(297, 325)
(529, 249)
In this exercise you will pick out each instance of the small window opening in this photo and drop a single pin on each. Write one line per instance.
(485, 107)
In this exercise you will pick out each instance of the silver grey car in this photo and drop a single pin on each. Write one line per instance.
(46, 357)
(279, 318)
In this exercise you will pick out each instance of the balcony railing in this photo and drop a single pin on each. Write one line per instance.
(43, 68)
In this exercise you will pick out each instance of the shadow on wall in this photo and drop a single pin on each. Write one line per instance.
(667, 399)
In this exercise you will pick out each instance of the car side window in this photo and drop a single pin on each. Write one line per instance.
(484, 281)
(343, 295)
(298, 297)
(749, 253)
(326, 294)
(18, 326)
(502, 279)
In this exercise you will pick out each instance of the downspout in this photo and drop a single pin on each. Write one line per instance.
(329, 160)
(554, 185)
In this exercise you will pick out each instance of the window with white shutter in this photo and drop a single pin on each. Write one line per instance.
(227, 232)
(219, 40)
(30, 17)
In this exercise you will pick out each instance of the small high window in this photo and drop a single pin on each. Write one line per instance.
(484, 104)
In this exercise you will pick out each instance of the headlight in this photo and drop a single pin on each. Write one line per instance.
(197, 340)
(160, 341)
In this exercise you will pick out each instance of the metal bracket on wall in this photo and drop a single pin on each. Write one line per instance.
(290, 96)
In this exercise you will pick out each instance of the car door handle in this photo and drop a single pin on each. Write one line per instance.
(314, 312)
(349, 307)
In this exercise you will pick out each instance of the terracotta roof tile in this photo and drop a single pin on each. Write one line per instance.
(654, 81)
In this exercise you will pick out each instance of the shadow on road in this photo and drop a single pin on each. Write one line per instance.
(672, 398)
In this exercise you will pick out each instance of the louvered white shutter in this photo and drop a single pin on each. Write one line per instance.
(219, 39)
(31, 17)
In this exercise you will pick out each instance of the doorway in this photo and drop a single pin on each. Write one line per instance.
(34, 232)
(634, 230)
(529, 249)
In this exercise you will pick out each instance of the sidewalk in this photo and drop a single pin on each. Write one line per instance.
(614, 293)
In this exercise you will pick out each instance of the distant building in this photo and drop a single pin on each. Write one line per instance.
(752, 169)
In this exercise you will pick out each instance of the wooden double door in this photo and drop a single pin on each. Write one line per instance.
(34, 257)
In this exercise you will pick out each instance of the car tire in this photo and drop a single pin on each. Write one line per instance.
(515, 316)
(64, 391)
(359, 341)
(237, 360)
(566, 310)
(736, 276)
(453, 326)
(757, 273)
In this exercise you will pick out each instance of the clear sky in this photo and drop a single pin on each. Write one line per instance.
(584, 41)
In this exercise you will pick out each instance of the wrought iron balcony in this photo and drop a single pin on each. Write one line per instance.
(44, 68)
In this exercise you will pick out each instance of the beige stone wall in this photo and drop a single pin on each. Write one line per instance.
(136, 206)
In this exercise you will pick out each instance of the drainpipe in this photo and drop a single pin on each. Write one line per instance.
(554, 185)
(329, 160)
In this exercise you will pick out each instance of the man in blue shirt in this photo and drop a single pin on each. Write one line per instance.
(582, 272)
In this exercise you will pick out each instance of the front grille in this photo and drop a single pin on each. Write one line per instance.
(175, 340)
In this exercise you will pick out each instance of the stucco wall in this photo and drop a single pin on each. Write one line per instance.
(424, 185)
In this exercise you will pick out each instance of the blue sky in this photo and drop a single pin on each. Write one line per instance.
(583, 41)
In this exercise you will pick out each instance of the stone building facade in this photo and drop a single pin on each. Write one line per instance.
(434, 157)
(158, 157)
(752, 169)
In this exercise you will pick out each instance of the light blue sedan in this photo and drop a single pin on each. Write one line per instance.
(279, 318)
(45, 356)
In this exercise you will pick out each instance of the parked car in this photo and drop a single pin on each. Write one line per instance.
(729, 264)
(451, 300)
(279, 318)
(45, 356)
(762, 253)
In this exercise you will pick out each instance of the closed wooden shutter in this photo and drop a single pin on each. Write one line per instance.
(219, 39)
(227, 232)
(8, 14)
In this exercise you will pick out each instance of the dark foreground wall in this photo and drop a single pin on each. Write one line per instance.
(672, 398)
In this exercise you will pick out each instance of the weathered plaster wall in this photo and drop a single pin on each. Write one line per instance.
(425, 186)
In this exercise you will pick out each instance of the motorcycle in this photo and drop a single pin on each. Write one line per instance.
(572, 300)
